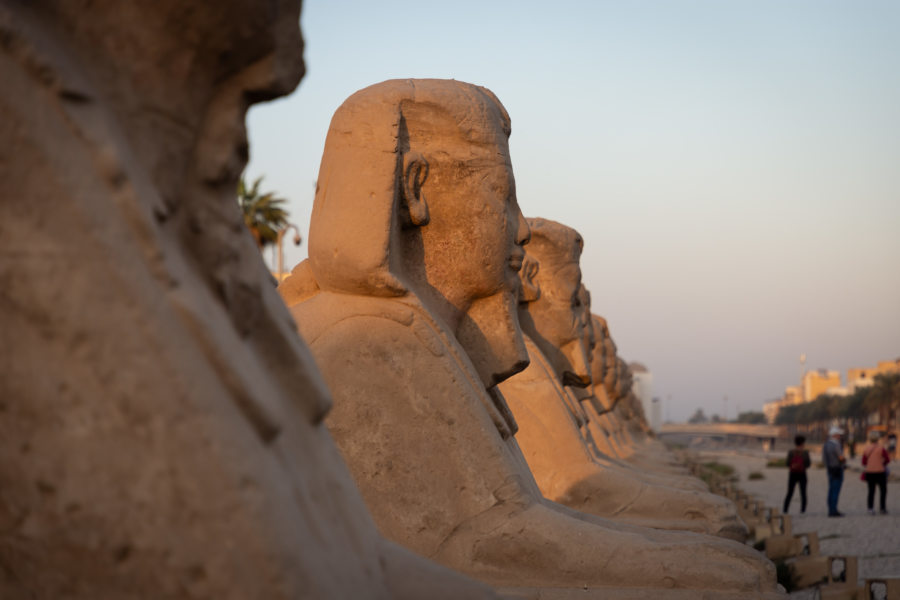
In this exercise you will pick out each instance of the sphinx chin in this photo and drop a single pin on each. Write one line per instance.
(492, 337)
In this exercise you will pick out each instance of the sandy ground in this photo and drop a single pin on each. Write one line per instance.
(875, 540)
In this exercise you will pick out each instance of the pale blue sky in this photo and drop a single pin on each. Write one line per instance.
(734, 166)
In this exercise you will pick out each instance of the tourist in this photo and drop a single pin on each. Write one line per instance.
(797, 463)
(833, 457)
(875, 459)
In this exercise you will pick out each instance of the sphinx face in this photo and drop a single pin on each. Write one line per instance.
(164, 66)
(598, 352)
(589, 336)
(623, 378)
(611, 369)
(558, 320)
(471, 251)
(174, 42)
(473, 244)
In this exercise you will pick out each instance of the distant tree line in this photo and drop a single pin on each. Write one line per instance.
(853, 412)
(751, 417)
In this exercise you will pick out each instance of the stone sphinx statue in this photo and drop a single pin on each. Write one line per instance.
(602, 429)
(161, 429)
(613, 385)
(408, 301)
(568, 466)
(562, 258)
(611, 436)
(611, 397)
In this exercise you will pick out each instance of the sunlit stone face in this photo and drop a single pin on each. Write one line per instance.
(556, 319)
(473, 244)
(464, 261)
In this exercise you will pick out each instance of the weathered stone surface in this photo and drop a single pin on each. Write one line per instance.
(160, 419)
(415, 243)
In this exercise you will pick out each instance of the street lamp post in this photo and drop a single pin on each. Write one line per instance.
(802, 376)
(280, 244)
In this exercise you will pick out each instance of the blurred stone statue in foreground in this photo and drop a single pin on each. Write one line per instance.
(161, 428)
(409, 303)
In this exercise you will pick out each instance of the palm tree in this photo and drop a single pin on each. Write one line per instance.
(855, 412)
(884, 397)
(263, 213)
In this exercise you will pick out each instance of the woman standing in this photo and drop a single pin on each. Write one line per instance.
(797, 462)
(875, 459)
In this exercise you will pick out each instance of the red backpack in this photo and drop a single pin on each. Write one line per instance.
(796, 463)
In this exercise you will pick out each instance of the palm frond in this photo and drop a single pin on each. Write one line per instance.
(264, 214)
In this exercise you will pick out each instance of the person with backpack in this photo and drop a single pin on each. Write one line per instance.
(797, 463)
(875, 459)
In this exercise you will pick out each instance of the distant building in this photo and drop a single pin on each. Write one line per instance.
(822, 381)
(888, 366)
(865, 376)
(860, 378)
(770, 410)
(818, 382)
(793, 394)
(643, 390)
(655, 418)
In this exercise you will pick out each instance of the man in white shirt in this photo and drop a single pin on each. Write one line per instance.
(833, 457)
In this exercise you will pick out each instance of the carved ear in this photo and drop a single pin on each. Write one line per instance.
(415, 207)
(530, 290)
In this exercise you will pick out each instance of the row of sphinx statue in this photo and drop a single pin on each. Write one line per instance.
(451, 421)
(471, 382)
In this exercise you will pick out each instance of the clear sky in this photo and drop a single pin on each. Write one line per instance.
(734, 166)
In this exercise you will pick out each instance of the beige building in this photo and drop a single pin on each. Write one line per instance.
(793, 394)
(858, 378)
(823, 381)
(818, 382)
(770, 410)
(865, 376)
(888, 366)
(814, 383)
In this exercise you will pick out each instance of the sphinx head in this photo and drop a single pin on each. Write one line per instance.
(589, 336)
(600, 361)
(556, 320)
(416, 194)
(605, 363)
(176, 76)
(624, 378)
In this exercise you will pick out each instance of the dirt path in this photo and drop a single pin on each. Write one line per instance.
(874, 539)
